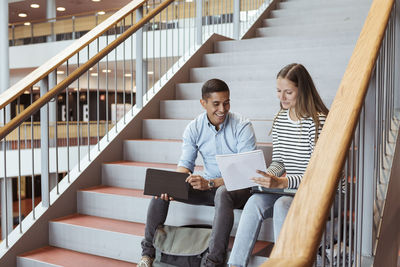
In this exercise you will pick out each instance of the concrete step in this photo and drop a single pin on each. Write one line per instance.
(130, 174)
(168, 151)
(173, 129)
(248, 90)
(276, 57)
(310, 4)
(238, 90)
(356, 18)
(131, 205)
(319, 11)
(310, 30)
(257, 109)
(53, 256)
(323, 74)
(285, 42)
(104, 237)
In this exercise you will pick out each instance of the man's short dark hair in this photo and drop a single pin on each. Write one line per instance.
(212, 86)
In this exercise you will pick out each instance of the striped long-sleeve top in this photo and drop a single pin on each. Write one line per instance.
(292, 142)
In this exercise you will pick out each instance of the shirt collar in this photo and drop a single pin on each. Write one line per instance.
(221, 126)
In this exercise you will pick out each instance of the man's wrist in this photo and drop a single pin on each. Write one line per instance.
(211, 184)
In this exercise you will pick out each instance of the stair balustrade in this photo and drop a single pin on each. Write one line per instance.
(100, 80)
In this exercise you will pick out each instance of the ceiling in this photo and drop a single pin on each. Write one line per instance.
(72, 7)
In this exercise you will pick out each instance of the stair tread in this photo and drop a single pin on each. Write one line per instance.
(151, 165)
(101, 223)
(70, 258)
(113, 190)
(180, 141)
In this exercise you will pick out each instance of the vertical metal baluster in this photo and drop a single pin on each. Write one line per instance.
(339, 230)
(184, 29)
(356, 197)
(33, 161)
(190, 22)
(385, 110)
(166, 43)
(56, 139)
(88, 103)
(351, 202)
(345, 208)
(123, 76)
(154, 48)
(160, 45)
(107, 126)
(116, 80)
(361, 182)
(132, 46)
(331, 230)
(67, 117)
(98, 97)
(78, 136)
(19, 168)
(146, 62)
(5, 183)
(323, 252)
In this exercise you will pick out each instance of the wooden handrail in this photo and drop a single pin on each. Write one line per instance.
(305, 222)
(35, 76)
(79, 71)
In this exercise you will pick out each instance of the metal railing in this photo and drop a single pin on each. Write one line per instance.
(103, 78)
(351, 233)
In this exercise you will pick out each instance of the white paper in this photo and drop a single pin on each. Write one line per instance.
(237, 169)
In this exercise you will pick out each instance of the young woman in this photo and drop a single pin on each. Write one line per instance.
(295, 131)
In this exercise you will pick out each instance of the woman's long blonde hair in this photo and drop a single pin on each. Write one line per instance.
(308, 102)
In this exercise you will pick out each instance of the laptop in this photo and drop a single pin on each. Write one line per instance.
(171, 182)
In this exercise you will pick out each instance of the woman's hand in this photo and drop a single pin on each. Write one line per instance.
(270, 181)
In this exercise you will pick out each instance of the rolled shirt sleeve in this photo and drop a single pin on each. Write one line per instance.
(189, 148)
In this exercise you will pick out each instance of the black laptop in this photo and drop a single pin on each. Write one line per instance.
(173, 183)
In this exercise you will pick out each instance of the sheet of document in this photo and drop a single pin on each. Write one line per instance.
(237, 169)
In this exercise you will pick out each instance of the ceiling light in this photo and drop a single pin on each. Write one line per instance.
(75, 89)
(35, 5)
(27, 92)
(60, 72)
(22, 15)
(101, 13)
(150, 72)
(35, 87)
(106, 71)
(96, 0)
(27, 23)
(188, 1)
(94, 74)
(60, 8)
(128, 75)
(91, 69)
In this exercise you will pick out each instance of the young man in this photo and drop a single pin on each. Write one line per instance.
(216, 131)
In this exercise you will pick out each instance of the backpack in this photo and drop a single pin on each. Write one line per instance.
(181, 246)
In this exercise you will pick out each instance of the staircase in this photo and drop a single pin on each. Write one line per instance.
(109, 223)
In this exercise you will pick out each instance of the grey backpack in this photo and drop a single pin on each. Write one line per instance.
(181, 246)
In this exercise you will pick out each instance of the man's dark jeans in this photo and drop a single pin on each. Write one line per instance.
(224, 201)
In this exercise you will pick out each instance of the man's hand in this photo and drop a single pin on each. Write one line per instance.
(270, 181)
(198, 182)
(165, 197)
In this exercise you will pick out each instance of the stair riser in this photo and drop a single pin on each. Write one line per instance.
(173, 129)
(317, 4)
(124, 175)
(284, 42)
(276, 58)
(315, 30)
(135, 210)
(114, 245)
(27, 262)
(248, 90)
(320, 12)
(357, 19)
(165, 152)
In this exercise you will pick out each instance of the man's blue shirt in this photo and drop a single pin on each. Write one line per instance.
(235, 135)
